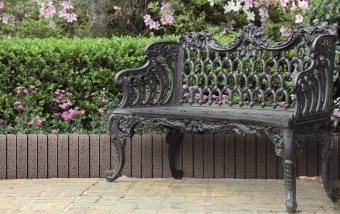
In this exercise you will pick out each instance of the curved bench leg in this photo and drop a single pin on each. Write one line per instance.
(120, 128)
(326, 138)
(289, 163)
(173, 139)
(114, 174)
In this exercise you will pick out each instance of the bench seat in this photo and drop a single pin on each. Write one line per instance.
(244, 115)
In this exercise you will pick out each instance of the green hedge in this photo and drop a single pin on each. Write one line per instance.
(80, 66)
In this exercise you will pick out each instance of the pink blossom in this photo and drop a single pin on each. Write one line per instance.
(19, 132)
(222, 33)
(103, 100)
(5, 19)
(249, 3)
(263, 12)
(54, 131)
(68, 5)
(10, 127)
(293, 6)
(32, 86)
(154, 25)
(75, 133)
(57, 92)
(25, 91)
(285, 31)
(147, 20)
(149, 6)
(67, 93)
(244, 95)
(30, 123)
(62, 91)
(69, 103)
(107, 112)
(1, 121)
(63, 106)
(56, 114)
(20, 107)
(62, 13)
(11, 23)
(101, 110)
(1, 5)
(284, 2)
(117, 8)
(16, 103)
(57, 101)
(71, 17)
(303, 4)
(128, 21)
(34, 110)
(181, 5)
(184, 86)
(27, 16)
(9, 38)
(299, 18)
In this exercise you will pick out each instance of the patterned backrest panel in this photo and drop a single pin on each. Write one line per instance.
(250, 71)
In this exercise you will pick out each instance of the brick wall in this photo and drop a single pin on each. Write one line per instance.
(200, 156)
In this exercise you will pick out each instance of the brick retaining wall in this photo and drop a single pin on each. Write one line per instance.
(211, 156)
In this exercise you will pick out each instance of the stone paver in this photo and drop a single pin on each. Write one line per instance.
(159, 196)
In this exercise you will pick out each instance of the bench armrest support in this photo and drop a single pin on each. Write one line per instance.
(153, 80)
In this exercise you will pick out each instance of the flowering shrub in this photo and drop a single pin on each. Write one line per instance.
(36, 18)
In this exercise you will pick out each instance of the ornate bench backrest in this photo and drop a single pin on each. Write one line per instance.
(255, 72)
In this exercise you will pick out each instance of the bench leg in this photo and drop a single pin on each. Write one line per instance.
(114, 174)
(120, 127)
(173, 139)
(289, 164)
(326, 138)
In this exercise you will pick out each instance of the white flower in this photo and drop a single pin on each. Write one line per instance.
(251, 15)
(232, 6)
(211, 2)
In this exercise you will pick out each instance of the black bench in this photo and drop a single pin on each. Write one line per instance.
(250, 86)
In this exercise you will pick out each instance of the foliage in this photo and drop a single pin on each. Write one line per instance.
(34, 19)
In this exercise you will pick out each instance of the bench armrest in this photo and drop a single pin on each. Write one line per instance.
(153, 80)
(313, 87)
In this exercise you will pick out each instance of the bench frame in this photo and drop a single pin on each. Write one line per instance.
(311, 115)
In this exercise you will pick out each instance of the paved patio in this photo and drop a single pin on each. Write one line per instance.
(158, 195)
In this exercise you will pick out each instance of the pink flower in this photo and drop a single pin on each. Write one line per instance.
(303, 4)
(147, 20)
(154, 25)
(57, 92)
(222, 33)
(71, 17)
(27, 16)
(68, 93)
(63, 106)
(101, 110)
(5, 19)
(128, 21)
(11, 23)
(293, 6)
(20, 106)
(30, 123)
(16, 103)
(335, 113)
(35, 110)
(184, 86)
(285, 31)
(299, 18)
(103, 100)
(149, 6)
(19, 132)
(54, 131)
(56, 114)
(75, 133)
(62, 13)
(117, 8)
(1, 5)
(68, 5)
(107, 112)
(249, 3)
(62, 91)
(52, 24)
(69, 103)
(181, 5)
(10, 127)
(263, 12)
(57, 101)
(25, 91)
(32, 86)
(244, 95)
(284, 2)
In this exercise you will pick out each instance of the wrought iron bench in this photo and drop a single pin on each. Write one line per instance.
(250, 86)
